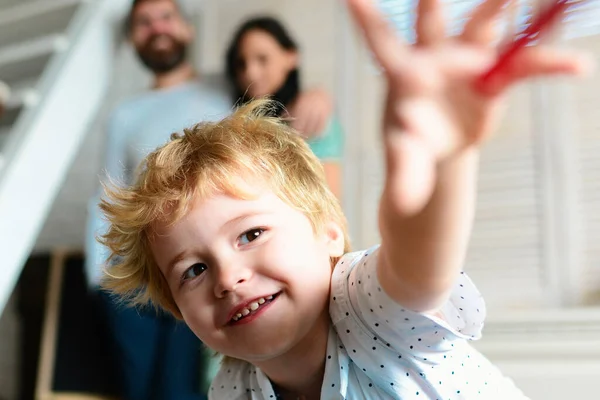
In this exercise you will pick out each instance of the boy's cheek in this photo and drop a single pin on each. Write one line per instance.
(193, 305)
(198, 320)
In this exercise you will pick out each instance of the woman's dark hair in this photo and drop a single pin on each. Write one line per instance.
(291, 87)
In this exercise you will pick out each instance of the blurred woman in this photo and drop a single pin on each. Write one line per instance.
(263, 60)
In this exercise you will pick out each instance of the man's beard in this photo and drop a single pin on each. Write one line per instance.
(163, 60)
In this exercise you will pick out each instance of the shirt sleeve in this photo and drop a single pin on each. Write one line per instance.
(357, 295)
(329, 146)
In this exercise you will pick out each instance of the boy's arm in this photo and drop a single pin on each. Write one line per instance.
(433, 124)
(421, 255)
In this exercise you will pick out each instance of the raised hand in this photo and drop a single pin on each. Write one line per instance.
(433, 111)
(433, 122)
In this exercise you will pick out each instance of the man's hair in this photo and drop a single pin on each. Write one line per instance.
(234, 156)
(135, 3)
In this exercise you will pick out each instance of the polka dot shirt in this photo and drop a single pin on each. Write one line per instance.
(379, 350)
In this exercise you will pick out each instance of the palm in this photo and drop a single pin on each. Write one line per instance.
(425, 121)
(433, 110)
(457, 115)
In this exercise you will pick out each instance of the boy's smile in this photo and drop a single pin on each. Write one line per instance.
(250, 277)
(249, 310)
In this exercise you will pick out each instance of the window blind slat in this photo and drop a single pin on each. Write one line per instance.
(402, 13)
(583, 17)
(506, 243)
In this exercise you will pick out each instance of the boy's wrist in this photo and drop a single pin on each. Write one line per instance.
(470, 152)
(459, 167)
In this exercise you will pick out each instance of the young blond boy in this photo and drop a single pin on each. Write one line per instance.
(231, 227)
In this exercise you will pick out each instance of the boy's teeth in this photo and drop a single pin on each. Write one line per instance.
(251, 307)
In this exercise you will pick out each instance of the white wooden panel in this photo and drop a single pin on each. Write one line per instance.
(587, 134)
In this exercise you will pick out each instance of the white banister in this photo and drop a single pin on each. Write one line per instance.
(46, 136)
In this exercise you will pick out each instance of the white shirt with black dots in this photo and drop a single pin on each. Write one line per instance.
(379, 350)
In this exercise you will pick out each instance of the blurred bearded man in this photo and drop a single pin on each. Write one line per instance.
(159, 358)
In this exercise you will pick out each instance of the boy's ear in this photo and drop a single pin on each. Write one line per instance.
(335, 240)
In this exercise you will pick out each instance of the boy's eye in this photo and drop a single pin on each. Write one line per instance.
(194, 271)
(250, 235)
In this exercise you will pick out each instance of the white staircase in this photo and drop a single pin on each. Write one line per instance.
(56, 57)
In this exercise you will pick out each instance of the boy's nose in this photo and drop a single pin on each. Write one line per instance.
(230, 280)
(221, 290)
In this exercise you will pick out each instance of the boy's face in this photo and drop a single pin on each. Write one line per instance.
(250, 277)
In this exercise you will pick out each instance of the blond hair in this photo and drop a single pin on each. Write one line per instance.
(208, 158)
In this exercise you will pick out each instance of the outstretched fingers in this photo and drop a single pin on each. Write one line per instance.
(480, 29)
(541, 61)
(381, 38)
(430, 25)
